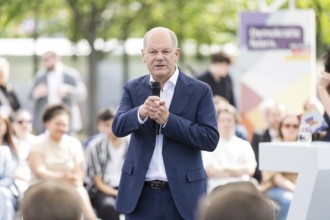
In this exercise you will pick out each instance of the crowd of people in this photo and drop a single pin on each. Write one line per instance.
(199, 164)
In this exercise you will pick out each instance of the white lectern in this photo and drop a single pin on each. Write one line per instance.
(311, 199)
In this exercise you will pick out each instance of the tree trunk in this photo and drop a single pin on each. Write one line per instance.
(92, 82)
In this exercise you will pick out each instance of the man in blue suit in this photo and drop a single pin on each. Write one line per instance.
(163, 175)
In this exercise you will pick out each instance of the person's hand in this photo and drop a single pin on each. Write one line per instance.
(323, 81)
(72, 179)
(63, 90)
(162, 113)
(40, 91)
(149, 107)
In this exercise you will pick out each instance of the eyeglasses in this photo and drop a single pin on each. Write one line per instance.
(295, 126)
(24, 122)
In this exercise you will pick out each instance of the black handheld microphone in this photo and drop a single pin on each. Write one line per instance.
(155, 90)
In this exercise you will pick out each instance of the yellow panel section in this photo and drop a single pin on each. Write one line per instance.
(255, 117)
(295, 96)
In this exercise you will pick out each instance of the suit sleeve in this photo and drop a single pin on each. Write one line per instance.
(35, 84)
(126, 120)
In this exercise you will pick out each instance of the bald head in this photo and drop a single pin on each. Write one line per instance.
(160, 31)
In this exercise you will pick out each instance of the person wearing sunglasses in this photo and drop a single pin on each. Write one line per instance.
(23, 139)
(280, 186)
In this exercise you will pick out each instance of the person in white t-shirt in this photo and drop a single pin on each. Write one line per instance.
(233, 160)
(23, 139)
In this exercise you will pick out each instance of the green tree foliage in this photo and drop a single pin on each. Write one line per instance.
(322, 18)
(205, 22)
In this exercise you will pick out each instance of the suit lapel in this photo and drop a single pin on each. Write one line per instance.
(143, 89)
(182, 94)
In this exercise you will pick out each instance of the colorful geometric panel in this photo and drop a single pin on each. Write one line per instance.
(249, 98)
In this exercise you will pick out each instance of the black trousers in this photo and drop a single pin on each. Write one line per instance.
(104, 205)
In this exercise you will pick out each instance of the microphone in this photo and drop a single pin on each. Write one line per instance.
(155, 91)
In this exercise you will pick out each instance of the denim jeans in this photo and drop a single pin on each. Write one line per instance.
(283, 197)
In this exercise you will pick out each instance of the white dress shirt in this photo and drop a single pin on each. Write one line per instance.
(54, 82)
(156, 170)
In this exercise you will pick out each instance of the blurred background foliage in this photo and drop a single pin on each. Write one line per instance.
(211, 22)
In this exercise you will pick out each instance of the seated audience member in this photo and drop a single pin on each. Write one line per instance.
(52, 201)
(280, 186)
(233, 160)
(59, 156)
(236, 201)
(104, 122)
(23, 139)
(105, 159)
(323, 91)
(7, 198)
(272, 112)
(220, 103)
(8, 162)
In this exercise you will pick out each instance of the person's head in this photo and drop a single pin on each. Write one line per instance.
(160, 53)
(104, 120)
(236, 201)
(6, 133)
(220, 102)
(289, 128)
(56, 119)
(4, 71)
(220, 64)
(22, 123)
(227, 119)
(49, 60)
(275, 115)
(52, 201)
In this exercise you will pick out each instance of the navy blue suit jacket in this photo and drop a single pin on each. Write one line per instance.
(191, 127)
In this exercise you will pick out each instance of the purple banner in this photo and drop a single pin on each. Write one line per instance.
(273, 37)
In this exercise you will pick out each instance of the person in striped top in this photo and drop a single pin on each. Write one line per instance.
(105, 158)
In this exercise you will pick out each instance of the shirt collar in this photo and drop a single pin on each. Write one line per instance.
(171, 81)
(58, 69)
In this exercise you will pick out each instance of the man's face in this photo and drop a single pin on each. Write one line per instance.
(274, 117)
(49, 61)
(219, 69)
(160, 55)
(105, 126)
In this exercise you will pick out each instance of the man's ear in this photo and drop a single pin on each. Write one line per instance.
(142, 55)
